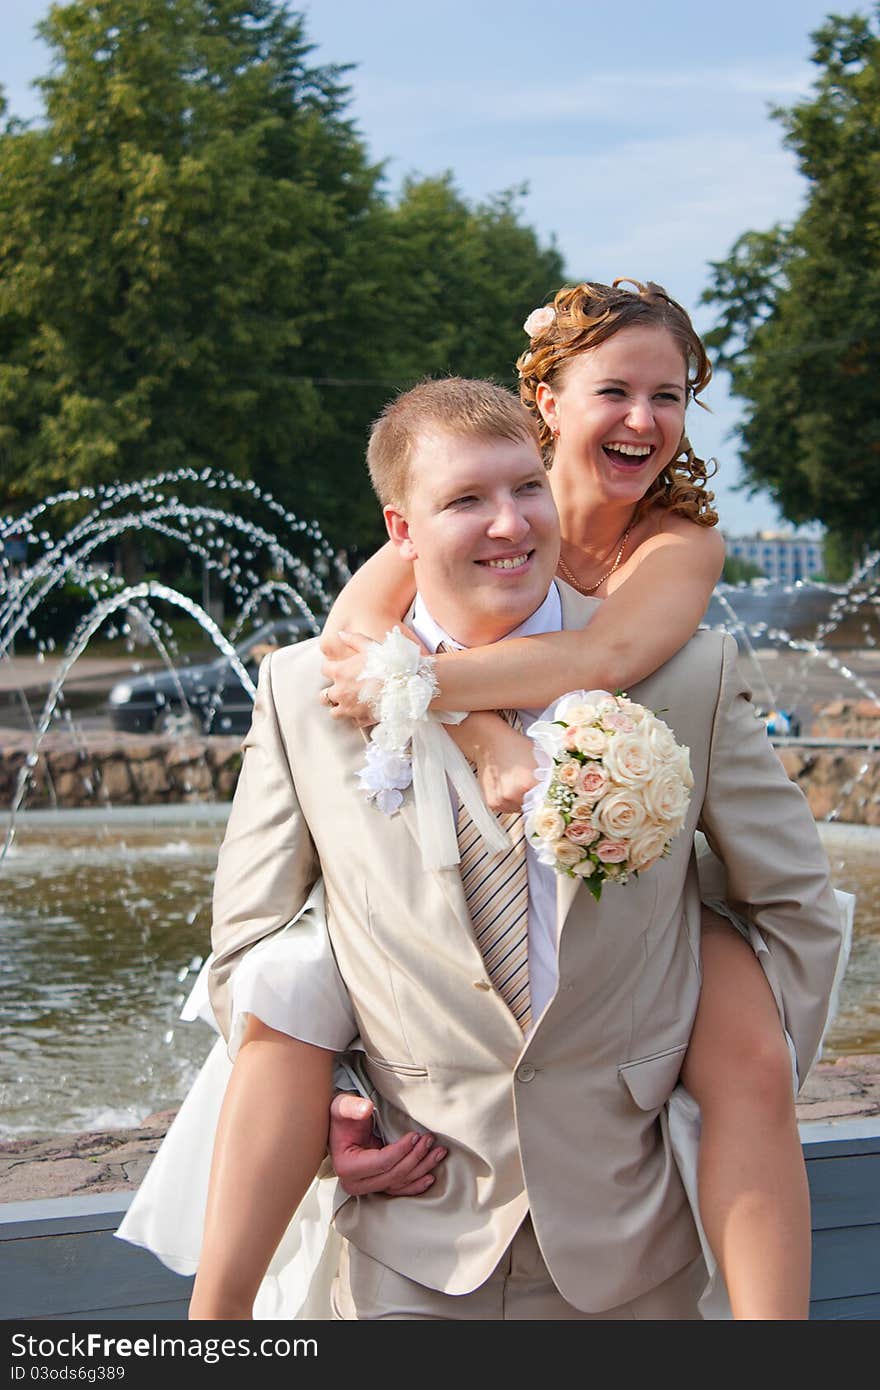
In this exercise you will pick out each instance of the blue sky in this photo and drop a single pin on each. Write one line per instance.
(640, 128)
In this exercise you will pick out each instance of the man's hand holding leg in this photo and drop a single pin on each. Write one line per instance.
(363, 1164)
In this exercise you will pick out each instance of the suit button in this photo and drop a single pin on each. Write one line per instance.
(481, 984)
(526, 1072)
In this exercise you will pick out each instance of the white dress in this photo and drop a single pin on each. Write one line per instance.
(291, 982)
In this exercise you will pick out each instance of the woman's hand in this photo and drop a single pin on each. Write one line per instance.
(504, 758)
(344, 695)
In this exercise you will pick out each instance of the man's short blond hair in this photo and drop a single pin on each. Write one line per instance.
(452, 405)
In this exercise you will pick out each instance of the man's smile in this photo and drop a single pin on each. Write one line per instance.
(508, 562)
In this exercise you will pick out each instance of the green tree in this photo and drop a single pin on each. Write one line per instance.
(466, 277)
(175, 240)
(454, 282)
(199, 265)
(800, 305)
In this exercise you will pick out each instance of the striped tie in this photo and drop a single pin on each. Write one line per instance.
(496, 888)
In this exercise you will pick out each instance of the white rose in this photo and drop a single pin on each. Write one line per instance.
(575, 711)
(683, 764)
(567, 853)
(662, 741)
(666, 796)
(591, 742)
(568, 774)
(619, 814)
(647, 846)
(547, 824)
(629, 759)
(637, 713)
(539, 320)
(585, 868)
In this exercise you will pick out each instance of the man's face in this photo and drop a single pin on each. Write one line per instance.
(481, 529)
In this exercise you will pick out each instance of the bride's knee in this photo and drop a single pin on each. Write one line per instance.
(751, 1076)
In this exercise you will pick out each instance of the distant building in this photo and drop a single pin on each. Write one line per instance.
(780, 555)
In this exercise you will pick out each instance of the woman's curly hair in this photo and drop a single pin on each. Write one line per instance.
(588, 314)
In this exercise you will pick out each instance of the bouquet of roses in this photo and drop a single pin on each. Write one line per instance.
(613, 788)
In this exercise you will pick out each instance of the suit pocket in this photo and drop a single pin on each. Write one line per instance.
(396, 1068)
(651, 1080)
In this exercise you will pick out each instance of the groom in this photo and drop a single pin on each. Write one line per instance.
(559, 1197)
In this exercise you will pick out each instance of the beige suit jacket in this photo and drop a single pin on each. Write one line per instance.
(569, 1125)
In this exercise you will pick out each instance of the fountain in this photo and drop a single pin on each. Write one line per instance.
(104, 903)
(109, 840)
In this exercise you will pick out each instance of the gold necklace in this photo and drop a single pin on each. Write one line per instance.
(591, 588)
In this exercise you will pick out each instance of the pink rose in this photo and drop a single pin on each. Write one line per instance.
(593, 782)
(611, 852)
(619, 721)
(581, 832)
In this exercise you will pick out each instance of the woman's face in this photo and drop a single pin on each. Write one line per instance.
(619, 411)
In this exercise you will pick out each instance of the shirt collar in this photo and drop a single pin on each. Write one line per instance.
(546, 618)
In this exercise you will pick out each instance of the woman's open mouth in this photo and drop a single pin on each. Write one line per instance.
(629, 455)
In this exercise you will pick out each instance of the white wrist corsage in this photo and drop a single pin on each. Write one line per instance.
(408, 746)
(400, 685)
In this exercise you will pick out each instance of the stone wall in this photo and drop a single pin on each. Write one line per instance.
(848, 719)
(839, 784)
(843, 783)
(119, 770)
(140, 770)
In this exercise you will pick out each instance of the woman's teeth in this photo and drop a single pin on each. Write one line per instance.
(633, 451)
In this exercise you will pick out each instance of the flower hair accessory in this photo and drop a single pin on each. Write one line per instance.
(539, 320)
(613, 788)
(408, 746)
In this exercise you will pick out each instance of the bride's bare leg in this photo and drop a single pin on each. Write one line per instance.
(754, 1200)
(271, 1139)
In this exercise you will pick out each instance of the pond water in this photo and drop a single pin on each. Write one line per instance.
(103, 924)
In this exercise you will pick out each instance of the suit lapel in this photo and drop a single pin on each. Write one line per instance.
(449, 880)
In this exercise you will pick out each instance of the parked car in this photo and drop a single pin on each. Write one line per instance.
(214, 699)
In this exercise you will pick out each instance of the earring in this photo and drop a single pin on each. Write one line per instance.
(554, 430)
